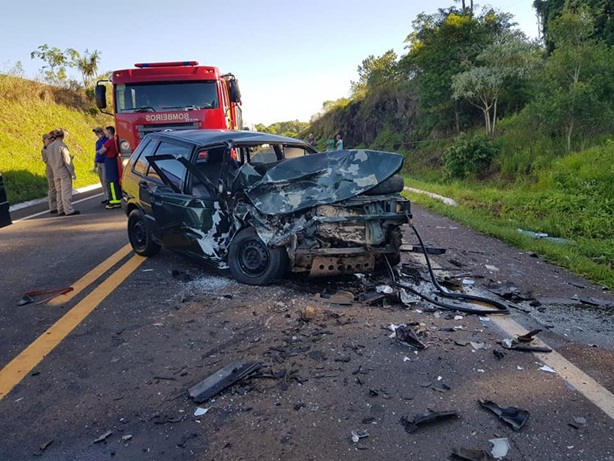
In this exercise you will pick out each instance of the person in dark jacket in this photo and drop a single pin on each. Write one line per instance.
(112, 170)
(99, 161)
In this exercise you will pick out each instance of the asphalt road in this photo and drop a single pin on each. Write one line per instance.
(102, 372)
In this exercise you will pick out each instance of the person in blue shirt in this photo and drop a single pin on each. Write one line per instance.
(99, 161)
(338, 142)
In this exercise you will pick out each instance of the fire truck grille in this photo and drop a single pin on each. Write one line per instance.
(146, 129)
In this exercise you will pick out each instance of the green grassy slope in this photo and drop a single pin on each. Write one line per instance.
(27, 110)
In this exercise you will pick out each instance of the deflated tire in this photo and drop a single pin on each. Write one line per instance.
(252, 262)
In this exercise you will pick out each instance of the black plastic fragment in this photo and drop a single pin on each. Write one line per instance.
(528, 348)
(530, 336)
(521, 343)
(515, 417)
(405, 334)
(468, 454)
(498, 354)
(425, 419)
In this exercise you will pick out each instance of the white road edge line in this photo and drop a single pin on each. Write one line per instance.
(37, 201)
(47, 211)
(581, 381)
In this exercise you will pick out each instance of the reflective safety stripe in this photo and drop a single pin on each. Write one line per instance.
(114, 198)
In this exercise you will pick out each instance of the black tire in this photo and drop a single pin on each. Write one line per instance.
(139, 236)
(391, 185)
(252, 262)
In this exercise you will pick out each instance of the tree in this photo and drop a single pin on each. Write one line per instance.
(464, 5)
(87, 64)
(509, 58)
(55, 70)
(437, 48)
(601, 10)
(576, 83)
(58, 61)
(290, 128)
(375, 72)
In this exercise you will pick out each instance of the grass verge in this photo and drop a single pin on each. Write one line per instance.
(30, 109)
(482, 209)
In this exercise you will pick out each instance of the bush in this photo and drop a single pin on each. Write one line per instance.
(468, 156)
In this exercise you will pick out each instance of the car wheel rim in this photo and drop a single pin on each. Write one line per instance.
(139, 234)
(254, 258)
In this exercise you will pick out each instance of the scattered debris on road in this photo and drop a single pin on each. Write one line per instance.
(521, 343)
(339, 297)
(515, 417)
(45, 445)
(500, 447)
(54, 292)
(547, 369)
(222, 379)
(358, 434)
(578, 422)
(596, 302)
(468, 454)
(103, 437)
(406, 335)
(426, 419)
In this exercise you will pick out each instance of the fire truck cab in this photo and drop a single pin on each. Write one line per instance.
(170, 96)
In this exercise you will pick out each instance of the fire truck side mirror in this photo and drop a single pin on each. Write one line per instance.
(235, 92)
(101, 96)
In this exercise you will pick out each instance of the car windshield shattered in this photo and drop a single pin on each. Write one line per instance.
(262, 205)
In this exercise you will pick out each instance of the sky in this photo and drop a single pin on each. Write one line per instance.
(289, 56)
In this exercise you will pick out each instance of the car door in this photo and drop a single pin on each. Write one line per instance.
(193, 223)
(139, 177)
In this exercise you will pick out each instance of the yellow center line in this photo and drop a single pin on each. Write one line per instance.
(32, 355)
(91, 276)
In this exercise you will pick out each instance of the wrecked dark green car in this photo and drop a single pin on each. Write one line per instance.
(262, 205)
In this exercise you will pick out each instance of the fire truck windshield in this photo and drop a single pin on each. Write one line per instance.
(166, 96)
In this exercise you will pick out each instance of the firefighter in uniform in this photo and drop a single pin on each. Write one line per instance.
(112, 165)
(48, 138)
(63, 168)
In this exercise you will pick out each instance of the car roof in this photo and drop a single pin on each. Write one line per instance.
(207, 137)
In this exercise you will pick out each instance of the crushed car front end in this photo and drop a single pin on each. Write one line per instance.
(336, 213)
(352, 236)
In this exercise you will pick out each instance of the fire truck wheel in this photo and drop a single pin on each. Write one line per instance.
(139, 236)
(252, 262)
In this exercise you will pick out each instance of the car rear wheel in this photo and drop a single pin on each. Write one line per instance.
(139, 236)
(252, 262)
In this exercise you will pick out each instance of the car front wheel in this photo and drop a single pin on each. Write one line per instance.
(139, 236)
(252, 262)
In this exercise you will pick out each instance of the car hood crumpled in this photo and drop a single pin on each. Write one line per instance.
(319, 179)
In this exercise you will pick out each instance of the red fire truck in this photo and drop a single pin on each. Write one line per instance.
(170, 95)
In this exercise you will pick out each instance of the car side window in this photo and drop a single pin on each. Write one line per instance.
(265, 153)
(141, 164)
(173, 169)
(293, 152)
